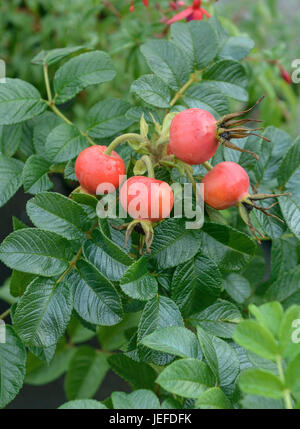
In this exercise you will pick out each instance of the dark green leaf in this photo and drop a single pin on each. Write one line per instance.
(64, 143)
(186, 377)
(86, 372)
(12, 366)
(196, 284)
(43, 312)
(167, 62)
(107, 118)
(152, 90)
(95, 298)
(10, 177)
(54, 212)
(90, 68)
(138, 283)
(35, 251)
(139, 374)
(35, 175)
(19, 101)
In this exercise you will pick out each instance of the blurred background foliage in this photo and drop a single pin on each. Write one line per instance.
(28, 26)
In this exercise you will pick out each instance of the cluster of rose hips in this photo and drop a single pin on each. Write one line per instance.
(193, 137)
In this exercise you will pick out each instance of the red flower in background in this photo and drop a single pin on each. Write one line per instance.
(194, 12)
(146, 3)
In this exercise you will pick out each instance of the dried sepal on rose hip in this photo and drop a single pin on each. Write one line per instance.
(227, 185)
(147, 201)
(195, 134)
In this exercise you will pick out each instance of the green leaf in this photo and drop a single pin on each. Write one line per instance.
(196, 284)
(286, 288)
(236, 48)
(290, 209)
(54, 212)
(39, 373)
(290, 163)
(254, 337)
(35, 251)
(160, 312)
(12, 366)
(19, 101)
(35, 175)
(237, 287)
(85, 374)
(197, 40)
(64, 142)
(186, 377)
(289, 333)
(229, 77)
(115, 337)
(10, 177)
(43, 312)
(254, 402)
(213, 399)
(152, 90)
(106, 256)
(173, 244)
(54, 55)
(107, 118)
(83, 404)
(91, 68)
(283, 258)
(45, 124)
(139, 400)
(10, 139)
(206, 96)
(292, 375)
(219, 319)
(175, 340)
(138, 374)
(220, 357)
(138, 283)
(167, 62)
(95, 298)
(269, 315)
(228, 247)
(259, 382)
(19, 282)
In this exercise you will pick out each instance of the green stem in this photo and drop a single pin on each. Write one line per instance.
(123, 139)
(51, 104)
(58, 113)
(65, 119)
(286, 393)
(5, 314)
(47, 83)
(207, 165)
(147, 160)
(182, 90)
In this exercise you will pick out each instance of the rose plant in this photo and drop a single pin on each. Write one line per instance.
(185, 316)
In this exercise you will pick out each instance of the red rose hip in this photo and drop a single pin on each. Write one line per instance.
(193, 137)
(93, 168)
(146, 198)
(225, 185)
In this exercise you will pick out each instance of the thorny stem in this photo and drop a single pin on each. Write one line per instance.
(182, 90)
(286, 393)
(123, 139)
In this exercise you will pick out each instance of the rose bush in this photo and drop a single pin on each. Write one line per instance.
(193, 322)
